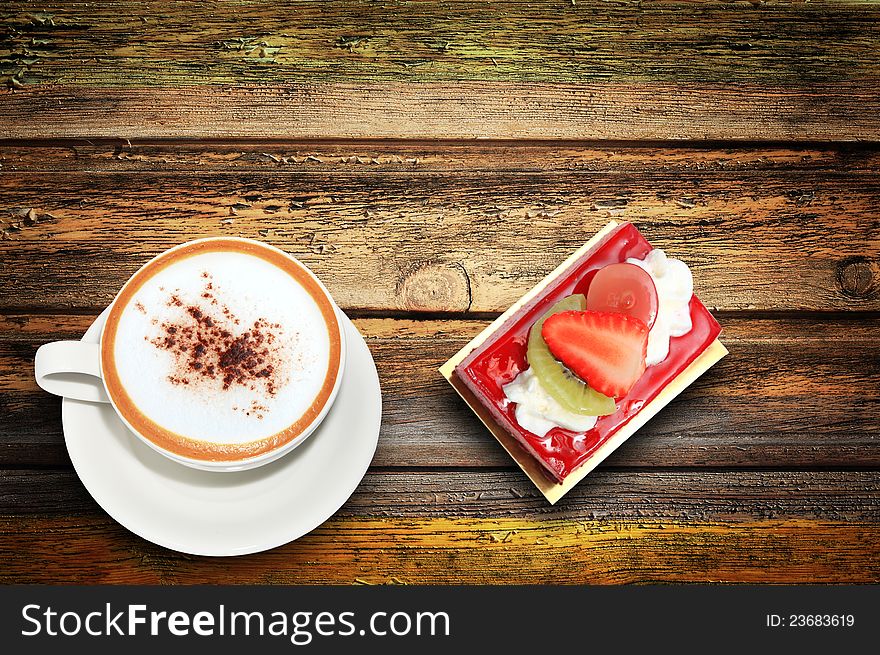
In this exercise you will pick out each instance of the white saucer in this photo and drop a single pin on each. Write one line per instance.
(213, 513)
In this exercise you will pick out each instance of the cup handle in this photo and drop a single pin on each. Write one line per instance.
(71, 369)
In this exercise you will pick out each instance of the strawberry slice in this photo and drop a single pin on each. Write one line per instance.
(605, 349)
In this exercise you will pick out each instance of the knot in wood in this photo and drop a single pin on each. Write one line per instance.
(436, 288)
(859, 277)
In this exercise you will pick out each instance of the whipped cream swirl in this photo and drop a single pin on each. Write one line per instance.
(675, 286)
(537, 411)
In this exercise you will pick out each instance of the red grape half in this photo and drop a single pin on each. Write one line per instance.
(625, 289)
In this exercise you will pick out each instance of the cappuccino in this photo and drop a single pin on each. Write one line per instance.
(222, 349)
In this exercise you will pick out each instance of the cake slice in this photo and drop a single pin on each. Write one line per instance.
(574, 368)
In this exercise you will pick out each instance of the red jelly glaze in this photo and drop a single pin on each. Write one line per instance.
(503, 356)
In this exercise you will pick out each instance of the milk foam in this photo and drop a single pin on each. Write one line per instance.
(253, 290)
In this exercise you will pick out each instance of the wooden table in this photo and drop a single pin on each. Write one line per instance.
(431, 161)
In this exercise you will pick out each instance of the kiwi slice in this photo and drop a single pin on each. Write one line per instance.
(564, 386)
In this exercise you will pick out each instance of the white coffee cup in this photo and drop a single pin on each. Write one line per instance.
(222, 354)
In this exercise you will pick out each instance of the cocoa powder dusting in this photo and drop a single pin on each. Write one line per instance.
(209, 348)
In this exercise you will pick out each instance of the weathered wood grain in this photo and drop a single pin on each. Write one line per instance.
(765, 470)
(489, 528)
(161, 42)
(791, 393)
(345, 156)
(443, 228)
(74, 550)
(738, 496)
(591, 69)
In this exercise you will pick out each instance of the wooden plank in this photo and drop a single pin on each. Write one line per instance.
(792, 393)
(489, 528)
(369, 156)
(451, 229)
(591, 69)
(655, 496)
(74, 550)
(843, 111)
